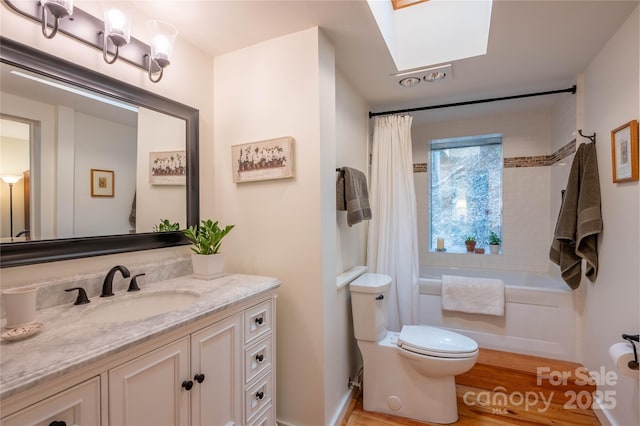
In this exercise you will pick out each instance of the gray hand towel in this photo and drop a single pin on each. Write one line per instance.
(352, 195)
(580, 220)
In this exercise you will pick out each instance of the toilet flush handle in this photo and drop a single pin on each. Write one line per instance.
(380, 297)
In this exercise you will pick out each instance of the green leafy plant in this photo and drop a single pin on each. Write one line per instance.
(165, 226)
(494, 239)
(207, 237)
(470, 239)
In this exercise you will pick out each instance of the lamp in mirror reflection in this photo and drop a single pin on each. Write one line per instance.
(117, 28)
(11, 180)
(163, 36)
(58, 9)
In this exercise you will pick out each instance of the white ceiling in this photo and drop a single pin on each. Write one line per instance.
(533, 45)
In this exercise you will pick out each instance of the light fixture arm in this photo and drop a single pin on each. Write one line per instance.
(54, 30)
(105, 51)
(153, 71)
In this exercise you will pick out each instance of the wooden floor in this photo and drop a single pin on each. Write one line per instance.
(479, 404)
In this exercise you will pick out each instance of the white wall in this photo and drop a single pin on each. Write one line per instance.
(287, 227)
(526, 223)
(187, 66)
(104, 145)
(278, 223)
(351, 143)
(612, 301)
(352, 139)
(156, 133)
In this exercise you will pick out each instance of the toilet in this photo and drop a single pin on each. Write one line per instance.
(410, 373)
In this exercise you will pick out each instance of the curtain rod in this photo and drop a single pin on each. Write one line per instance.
(571, 90)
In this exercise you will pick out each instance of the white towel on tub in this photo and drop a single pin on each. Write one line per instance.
(473, 295)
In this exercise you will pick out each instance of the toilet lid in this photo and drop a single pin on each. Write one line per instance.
(435, 341)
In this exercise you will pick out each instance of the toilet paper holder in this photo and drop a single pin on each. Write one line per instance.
(633, 338)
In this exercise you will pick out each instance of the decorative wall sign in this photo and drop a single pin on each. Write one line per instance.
(102, 183)
(624, 152)
(270, 159)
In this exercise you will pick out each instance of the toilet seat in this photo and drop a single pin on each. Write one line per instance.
(437, 342)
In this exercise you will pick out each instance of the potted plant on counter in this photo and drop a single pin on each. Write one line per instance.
(206, 240)
(494, 243)
(470, 243)
(165, 225)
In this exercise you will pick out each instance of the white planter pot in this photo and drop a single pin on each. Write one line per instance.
(494, 248)
(207, 266)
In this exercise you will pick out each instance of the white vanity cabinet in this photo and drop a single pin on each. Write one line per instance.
(78, 405)
(148, 390)
(215, 372)
(216, 361)
(199, 379)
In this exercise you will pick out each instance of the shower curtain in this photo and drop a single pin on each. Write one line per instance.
(392, 246)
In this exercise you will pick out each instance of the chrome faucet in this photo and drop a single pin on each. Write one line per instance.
(107, 285)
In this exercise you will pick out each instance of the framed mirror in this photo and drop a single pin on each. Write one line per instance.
(114, 199)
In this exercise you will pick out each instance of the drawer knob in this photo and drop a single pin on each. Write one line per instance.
(259, 395)
(199, 377)
(187, 384)
(260, 357)
(259, 320)
(58, 423)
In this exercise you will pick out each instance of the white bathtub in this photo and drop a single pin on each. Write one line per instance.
(540, 317)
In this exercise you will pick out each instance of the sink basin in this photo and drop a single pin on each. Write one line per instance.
(140, 306)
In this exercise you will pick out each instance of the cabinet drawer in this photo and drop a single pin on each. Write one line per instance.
(257, 359)
(257, 321)
(265, 418)
(79, 405)
(257, 396)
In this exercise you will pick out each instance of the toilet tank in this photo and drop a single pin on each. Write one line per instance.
(369, 294)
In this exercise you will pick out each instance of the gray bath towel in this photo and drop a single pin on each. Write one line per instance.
(352, 195)
(580, 220)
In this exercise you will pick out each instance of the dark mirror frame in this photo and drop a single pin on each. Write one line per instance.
(32, 252)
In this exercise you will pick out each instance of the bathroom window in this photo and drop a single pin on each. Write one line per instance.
(466, 190)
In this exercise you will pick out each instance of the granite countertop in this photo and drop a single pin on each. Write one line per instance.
(66, 342)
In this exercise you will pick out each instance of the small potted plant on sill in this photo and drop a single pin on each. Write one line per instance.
(206, 239)
(470, 243)
(494, 243)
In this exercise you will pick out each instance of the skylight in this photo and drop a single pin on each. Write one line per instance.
(433, 32)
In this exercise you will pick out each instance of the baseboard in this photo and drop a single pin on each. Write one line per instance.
(339, 415)
(602, 413)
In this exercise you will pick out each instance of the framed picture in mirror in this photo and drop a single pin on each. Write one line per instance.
(102, 183)
(168, 168)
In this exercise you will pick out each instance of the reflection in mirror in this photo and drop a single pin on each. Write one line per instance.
(91, 179)
(56, 136)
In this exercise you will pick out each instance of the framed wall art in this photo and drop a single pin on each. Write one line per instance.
(624, 152)
(102, 184)
(168, 168)
(269, 159)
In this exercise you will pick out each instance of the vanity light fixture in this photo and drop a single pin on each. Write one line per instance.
(163, 36)
(115, 30)
(58, 9)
